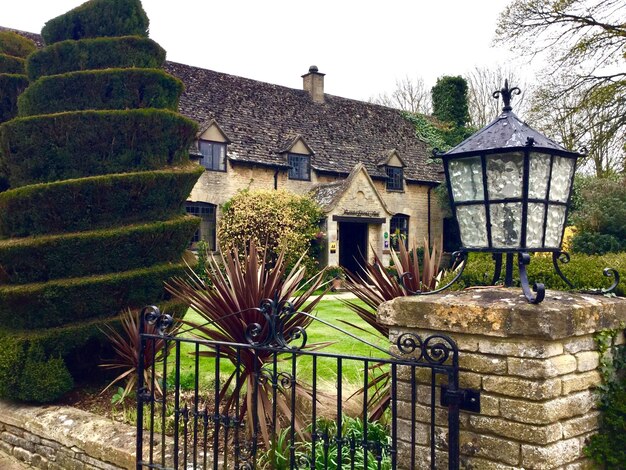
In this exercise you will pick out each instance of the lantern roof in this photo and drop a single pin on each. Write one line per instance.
(507, 131)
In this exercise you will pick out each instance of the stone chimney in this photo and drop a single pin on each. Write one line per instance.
(313, 82)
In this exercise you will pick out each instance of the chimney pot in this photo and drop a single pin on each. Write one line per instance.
(313, 83)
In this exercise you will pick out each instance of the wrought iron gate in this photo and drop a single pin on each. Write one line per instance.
(271, 404)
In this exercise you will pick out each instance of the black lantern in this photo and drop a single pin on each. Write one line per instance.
(509, 188)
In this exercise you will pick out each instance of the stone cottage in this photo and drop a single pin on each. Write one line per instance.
(360, 161)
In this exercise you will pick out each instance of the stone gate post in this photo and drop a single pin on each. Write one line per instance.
(536, 367)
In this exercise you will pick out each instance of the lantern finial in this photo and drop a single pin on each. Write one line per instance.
(506, 94)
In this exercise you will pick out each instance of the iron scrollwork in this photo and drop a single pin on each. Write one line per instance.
(435, 349)
(161, 321)
(563, 257)
(277, 333)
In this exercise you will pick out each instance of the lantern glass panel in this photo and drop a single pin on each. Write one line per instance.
(504, 175)
(562, 170)
(539, 174)
(466, 179)
(534, 227)
(506, 224)
(472, 225)
(554, 229)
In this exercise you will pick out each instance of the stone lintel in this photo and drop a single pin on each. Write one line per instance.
(506, 313)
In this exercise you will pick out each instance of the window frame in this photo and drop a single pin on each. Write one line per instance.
(401, 230)
(395, 178)
(202, 209)
(301, 158)
(214, 144)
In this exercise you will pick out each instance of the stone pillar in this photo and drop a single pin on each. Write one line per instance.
(535, 365)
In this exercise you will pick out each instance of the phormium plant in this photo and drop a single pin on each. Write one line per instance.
(229, 304)
(378, 284)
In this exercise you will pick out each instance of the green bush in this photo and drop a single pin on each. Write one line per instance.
(13, 44)
(10, 64)
(97, 18)
(279, 218)
(92, 54)
(57, 302)
(45, 258)
(600, 214)
(593, 243)
(11, 86)
(43, 380)
(584, 271)
(50, 147)
(101, 89)
(98, 201)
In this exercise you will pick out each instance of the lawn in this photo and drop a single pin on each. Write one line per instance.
(332, 311)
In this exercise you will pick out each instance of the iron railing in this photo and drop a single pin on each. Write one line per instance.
(216, 405)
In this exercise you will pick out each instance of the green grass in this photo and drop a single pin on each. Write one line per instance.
(331, 311)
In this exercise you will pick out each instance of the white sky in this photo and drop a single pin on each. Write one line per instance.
(361, 46)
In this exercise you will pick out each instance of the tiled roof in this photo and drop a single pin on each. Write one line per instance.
(260, 117)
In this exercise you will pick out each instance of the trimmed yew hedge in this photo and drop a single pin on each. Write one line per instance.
(54, 303)
(10, 64)
(98, 53)
(98, 18)
(51, 352)
(101, 89)
(13, 44)
(94, 202)
(42, 259)
(11, 86)
(86, 143)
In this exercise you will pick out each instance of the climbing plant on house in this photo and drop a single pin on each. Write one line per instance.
(92, 222)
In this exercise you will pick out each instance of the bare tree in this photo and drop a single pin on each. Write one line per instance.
(482, 82)
(584, 42)
(409, 95)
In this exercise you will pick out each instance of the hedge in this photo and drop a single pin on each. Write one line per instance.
(58, 302)
(98, 201)
(91, 54)
(101, 89)
(41, 259)
(13, 44)
(584, 271)
(11, 86)
(97, 18)
(80, 345)
(86, 143)
(10, 64)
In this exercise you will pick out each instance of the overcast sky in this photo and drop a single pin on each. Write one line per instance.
(363, 47)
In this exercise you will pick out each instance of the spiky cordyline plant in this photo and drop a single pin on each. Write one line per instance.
(229, 305)
(376, 285)
(125, 345)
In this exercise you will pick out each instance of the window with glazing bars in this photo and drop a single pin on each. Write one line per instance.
(206, 231)
(300, 167)
(399, 230)
(213, 155)
(395, 178)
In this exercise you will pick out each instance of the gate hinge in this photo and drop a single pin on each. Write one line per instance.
(468, 399)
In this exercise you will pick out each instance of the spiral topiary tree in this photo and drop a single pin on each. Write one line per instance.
(93, 220)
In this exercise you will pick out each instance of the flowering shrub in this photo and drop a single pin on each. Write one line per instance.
(280, 219)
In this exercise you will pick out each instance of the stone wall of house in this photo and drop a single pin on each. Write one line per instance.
(217, 187)
(65, 438)
(536, 367)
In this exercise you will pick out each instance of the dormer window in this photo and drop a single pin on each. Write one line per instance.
(395, 178)
(300, 166)
(213, 155)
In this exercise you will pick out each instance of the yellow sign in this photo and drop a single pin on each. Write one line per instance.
(333, 247)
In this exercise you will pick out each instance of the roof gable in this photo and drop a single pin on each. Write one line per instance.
(213, 132)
